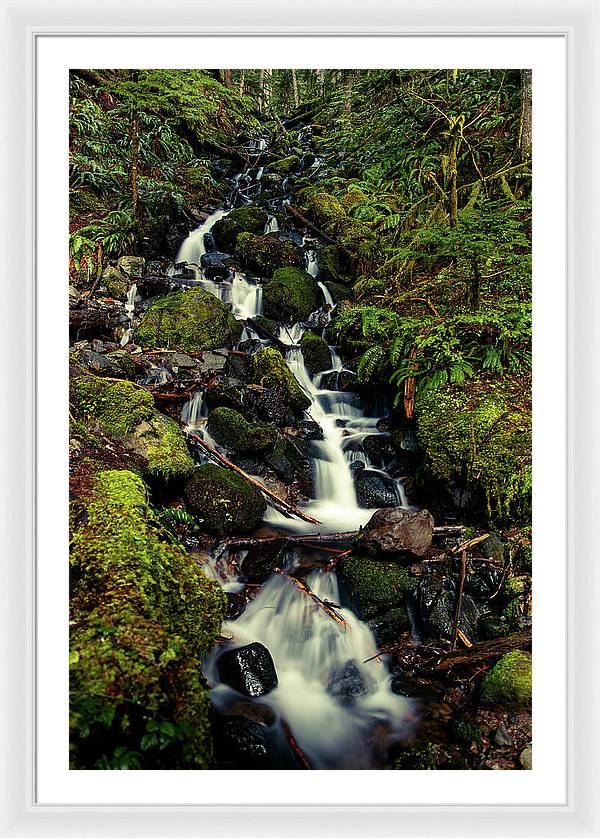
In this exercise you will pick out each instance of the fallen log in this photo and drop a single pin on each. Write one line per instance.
(324, 606)
(478, 653)
(92, 322)
(283, 506)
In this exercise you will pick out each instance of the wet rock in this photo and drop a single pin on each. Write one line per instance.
(241, 742)
(226, 502)
(238, 366)
(290, 296)
(379, 449)
(214, 361)
(436, 605)
(371, 587)
(310, 429)
(320, 318)
(338, 380)
(270, 405)
(115, 282)
(217, 265)
(526, 758)
(389, 626)
(236, 605)
(375, 489)
(259, 713)
(241, 220)
(96, 362)
(248, 669)
(224, 395)
(153, 285)
(259, 562)
(392, 531)
(181, 361)
(347, 684)
(233, 430)
(290, 460)
(270, 370)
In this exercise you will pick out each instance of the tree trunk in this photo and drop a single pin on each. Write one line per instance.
(295, 88)
(242, 82)
(134, 139)
(453, 177)
(526, 112)
(227, 78)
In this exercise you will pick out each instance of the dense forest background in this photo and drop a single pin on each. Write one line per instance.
(417, 185)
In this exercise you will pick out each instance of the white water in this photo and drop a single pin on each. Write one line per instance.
(326, 294)
(129, 311)
(272, 225)
(193, 248)
(310, 651)
(312, 266)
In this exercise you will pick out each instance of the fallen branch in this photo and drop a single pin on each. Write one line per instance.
(283, 507)
(459, 596)
(287, 538)
(298, 752)
(478, 653)
(324, 606)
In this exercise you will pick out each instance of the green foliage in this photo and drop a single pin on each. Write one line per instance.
(141, 613)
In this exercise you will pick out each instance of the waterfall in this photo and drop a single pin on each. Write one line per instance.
(193, 248)
(194, 412)
(312, 265)
(272, 225)
(129, 311)
(312, 654)
(329, 301)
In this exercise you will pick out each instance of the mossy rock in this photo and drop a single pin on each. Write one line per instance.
(328, 260)
(291, 295)
(290, 460)
(241, 220)
(476, 440)
(331, 218)
(286, 165)
(372, 587)
(141, 614)
(127, 412)
(188, 321)
(226, 502)
(269, 370)
(339, 292)
(353, 198)
(316, 353)
(264, 254)
(115, 282)
(231, 429)
(132, 266)
(509, 681)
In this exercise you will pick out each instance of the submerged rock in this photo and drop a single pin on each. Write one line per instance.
(291, 295)
(249, 669)
(347, 683)
(188, 321)
(393, 531)
(225, 501)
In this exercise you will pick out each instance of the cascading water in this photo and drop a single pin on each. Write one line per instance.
(272, 225)
(193, 248)
(129, 311)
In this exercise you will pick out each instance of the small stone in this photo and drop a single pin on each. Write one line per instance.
(526, 758)
(502, 737)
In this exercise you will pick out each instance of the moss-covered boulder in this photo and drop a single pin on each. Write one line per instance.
(231, 429)
(269, 370)
(328, 260)
(509, 681)
(141, 614)
(127, 412)
(241, 220)
(264, 254)
(226, 502)
(475, 439)
(291, 295)
(332, 218)
(286, 165)
(339, 292)
(115, 282)
(188, 321)
(371, 587)
(316, 353)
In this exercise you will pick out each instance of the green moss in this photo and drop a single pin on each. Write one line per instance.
(339, 292)
(115, 282)
(420, 759)
(373, 587)
(332, 218)
(264, 254)
(270, 370)
(189, 321)
(141, 614)
(231, 429)
(353, 198)
(291, 295)
(226, 502)
(481, 441)
(126, 411)
(316, 353)
(241, 220)
(286, 165)
(509, 682)
(118, 406)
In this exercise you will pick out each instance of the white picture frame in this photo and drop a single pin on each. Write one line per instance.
(578, 23)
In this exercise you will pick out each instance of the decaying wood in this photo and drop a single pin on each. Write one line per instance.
(299, 753)
(324, 606)
(449, 531)
(477, 653)
(466, 545)
(283, 506)
(287, 538)
(93, 321)
(459, 596)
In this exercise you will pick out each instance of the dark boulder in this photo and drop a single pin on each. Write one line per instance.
(240, 742)
(393, 531)
(259, 562)
(347, 683)
(338, 380)
(217, 265)
(379, 450)
(309, 429)
(290, 460)
(225, 501)
(436, 602)
(389, 626)
(236, 605)
(249, 670)
(375, 489)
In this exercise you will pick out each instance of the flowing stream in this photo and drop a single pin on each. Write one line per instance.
(315, 657)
